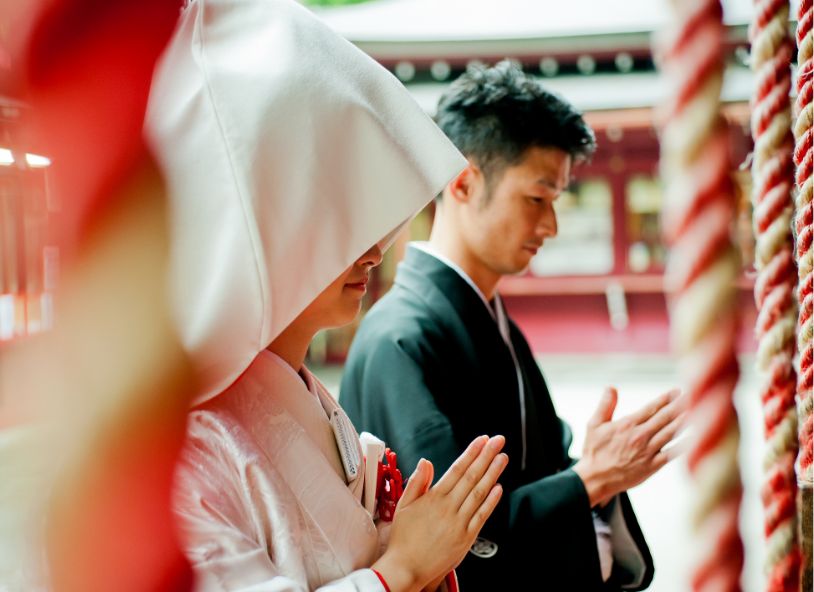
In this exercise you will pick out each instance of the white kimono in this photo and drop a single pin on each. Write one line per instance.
(261, 494)
(287, 154)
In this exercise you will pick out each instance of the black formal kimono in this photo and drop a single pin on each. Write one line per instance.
(428, 372)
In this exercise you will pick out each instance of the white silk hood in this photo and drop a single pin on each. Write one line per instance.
(287, 154)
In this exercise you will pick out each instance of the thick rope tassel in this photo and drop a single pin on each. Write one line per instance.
(803, 227)
(699, 208)
(773, 174)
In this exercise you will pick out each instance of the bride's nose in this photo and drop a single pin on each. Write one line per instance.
(371, 258)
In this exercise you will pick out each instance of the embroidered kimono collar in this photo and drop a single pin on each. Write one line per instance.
(287, 153)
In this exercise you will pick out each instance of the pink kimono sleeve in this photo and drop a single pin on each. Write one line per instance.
(242, 530)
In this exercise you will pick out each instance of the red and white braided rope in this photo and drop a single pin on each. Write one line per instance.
(699, 208)
(773, 175)
(803, 223)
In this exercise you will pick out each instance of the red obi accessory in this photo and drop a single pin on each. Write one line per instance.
(389, 486)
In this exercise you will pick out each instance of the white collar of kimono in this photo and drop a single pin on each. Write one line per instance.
(303, 375)
(287, 154)
(502, 321)
(499, 317)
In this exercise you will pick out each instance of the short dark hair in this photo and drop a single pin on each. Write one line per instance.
(494, 114)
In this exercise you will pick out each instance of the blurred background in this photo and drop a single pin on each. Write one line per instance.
(597, 287)
(592, 302)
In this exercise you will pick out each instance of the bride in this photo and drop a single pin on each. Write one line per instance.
(292, 161)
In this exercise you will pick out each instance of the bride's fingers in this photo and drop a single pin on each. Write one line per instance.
(470, 479)
(479, 493)
(461, 464)
(485, 510)
(430, 476)
(418, 483)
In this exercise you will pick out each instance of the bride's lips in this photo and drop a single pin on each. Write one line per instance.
(360, 285)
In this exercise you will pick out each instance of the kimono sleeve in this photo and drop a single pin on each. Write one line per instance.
(228, 502)
(384, 392)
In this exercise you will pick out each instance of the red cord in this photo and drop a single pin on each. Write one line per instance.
(382, 580)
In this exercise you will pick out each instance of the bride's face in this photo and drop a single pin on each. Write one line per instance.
(340, 302)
